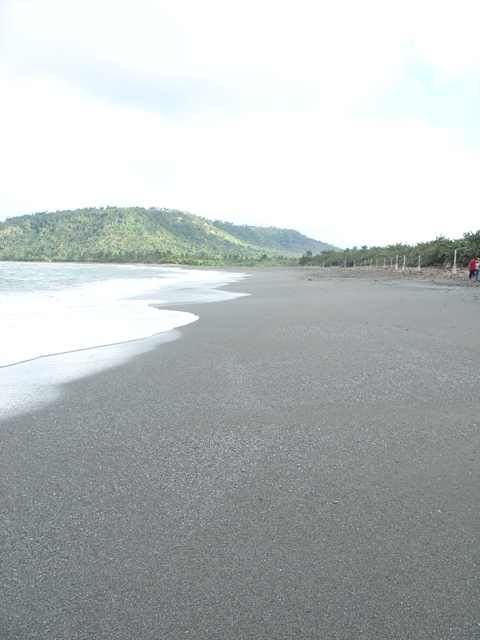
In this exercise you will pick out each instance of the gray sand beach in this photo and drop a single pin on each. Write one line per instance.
(301, 463)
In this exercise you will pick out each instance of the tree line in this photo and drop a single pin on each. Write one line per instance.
(436, 253)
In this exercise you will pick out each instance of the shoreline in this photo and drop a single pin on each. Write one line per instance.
(31, 381)
(301, 462)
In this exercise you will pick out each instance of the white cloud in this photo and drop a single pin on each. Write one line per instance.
(445, 36)
(243, 112)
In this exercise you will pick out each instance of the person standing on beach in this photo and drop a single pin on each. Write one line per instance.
(473, 269)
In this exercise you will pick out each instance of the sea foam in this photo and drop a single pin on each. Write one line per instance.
(88, 317)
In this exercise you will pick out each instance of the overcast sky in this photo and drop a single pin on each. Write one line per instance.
(356, 122)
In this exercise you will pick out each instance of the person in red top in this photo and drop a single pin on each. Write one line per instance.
(473, 269)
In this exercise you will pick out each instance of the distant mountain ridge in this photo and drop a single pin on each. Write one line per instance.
(135, 234)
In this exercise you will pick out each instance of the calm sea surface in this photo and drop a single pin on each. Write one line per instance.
(48, 309)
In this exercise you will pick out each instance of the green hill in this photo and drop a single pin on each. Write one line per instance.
(134, 234)
(273, 238)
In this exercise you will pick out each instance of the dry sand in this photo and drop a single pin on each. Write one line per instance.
(300, 463)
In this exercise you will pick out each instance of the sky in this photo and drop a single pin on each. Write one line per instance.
(356, 123)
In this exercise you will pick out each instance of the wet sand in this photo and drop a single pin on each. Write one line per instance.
(299, 463)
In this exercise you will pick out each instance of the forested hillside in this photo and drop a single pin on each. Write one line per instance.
(273, 238)
(134, 234)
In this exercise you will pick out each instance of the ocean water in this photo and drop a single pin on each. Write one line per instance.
(62, 321)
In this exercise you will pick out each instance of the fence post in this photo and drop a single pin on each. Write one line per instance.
(403, 268)
(454, 268)
(419, 268)
(396, 263)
